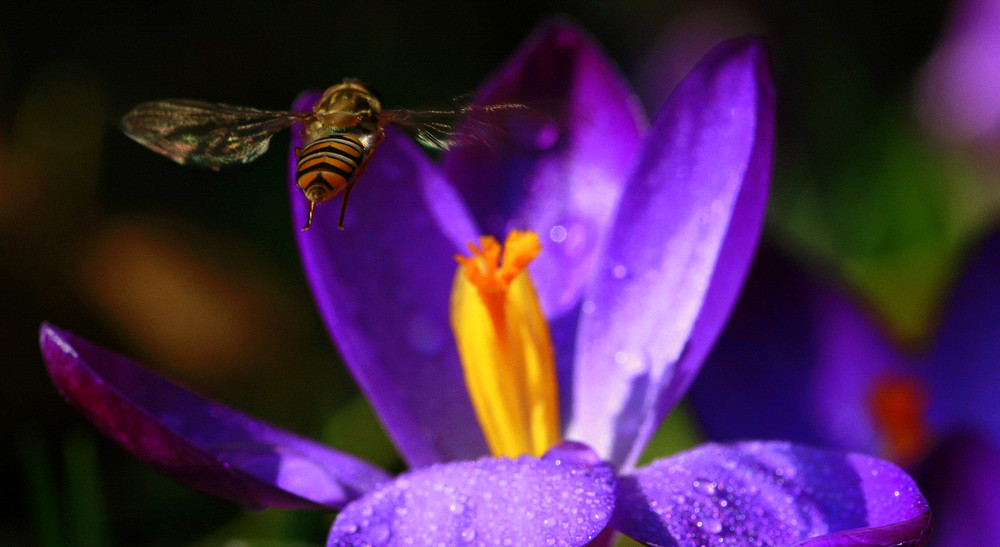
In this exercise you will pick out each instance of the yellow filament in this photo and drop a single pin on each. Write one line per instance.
(505, 346)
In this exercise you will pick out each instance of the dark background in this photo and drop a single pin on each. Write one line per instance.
(196, 273)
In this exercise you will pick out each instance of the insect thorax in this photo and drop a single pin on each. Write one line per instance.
(348, 107)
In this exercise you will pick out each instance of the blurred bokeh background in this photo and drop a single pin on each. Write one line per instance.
(885, 180)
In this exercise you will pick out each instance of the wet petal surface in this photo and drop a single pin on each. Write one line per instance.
(203, 444)
(680, 248)
(563, 498)
(769, 494)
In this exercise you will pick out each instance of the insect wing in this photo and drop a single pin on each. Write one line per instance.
(445, 129)
(207, 134)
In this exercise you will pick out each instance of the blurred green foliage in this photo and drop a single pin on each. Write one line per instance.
(861, 192)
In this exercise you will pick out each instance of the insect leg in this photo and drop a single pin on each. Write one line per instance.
(309, 220)
(357, 176)
(343, 204)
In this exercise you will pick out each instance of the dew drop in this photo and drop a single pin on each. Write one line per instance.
(705, 486)
(579, 239)
(575, 454)
(558, 233)
(710, 525)
(630, 363)
(619, 271)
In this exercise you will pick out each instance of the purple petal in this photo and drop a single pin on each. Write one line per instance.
(770, 493)
(202, 444)
(961, 480)
(561, 169)
(797, 361)
(563, 498)
(912, 532)
(964, 367)
(382, 286)
(961, 82)
(681, 245)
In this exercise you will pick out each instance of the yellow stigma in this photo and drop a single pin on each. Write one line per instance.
(505, 346)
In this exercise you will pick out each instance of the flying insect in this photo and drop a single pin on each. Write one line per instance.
(340, 134)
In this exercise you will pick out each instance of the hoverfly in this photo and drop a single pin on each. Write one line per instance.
(341, 134)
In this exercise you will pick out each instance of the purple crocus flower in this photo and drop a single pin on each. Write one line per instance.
(801, 361)
(648, 234)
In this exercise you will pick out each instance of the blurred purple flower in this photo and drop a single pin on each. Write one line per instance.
(649, 236)
(958, 90)
(800, 361)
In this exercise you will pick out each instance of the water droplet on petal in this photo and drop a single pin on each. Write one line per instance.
(705, 486)
(573, 453)
(710, 525)
(580, 239)
(558, 233)
(630, 363)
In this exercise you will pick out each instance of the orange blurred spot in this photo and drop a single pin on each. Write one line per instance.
(898, 406)
(187, 300)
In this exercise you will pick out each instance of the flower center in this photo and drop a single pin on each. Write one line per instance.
(505, 346)
(898, 405)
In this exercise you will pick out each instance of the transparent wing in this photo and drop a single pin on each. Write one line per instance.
(207, 134)
(444, 129)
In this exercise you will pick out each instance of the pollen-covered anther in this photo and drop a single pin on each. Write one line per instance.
(485, 269)
(505, 346)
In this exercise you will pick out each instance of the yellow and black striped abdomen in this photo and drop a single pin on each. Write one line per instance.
(329, 164)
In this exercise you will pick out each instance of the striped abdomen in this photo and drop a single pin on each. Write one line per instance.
(330, 164)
